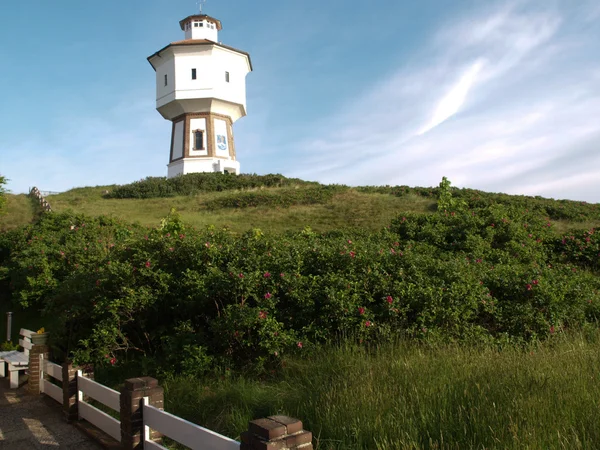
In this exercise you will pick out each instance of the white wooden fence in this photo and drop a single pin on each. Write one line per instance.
(176, 428)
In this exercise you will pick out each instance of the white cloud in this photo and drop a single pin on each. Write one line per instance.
(451, 103)
(523, 101)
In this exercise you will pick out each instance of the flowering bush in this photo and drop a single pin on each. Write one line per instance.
(194, 300)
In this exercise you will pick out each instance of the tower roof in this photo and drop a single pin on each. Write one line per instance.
(201, 17)
(200, 42)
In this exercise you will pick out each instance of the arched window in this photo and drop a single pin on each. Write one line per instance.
(199, 140)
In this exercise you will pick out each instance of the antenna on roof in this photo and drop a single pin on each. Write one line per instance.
(200, 3)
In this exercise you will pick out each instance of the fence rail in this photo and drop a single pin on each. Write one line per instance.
(46, 386)
(99, 392)
(100, 419)
(182, 431)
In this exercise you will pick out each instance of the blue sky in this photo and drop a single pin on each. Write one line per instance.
(502, 96)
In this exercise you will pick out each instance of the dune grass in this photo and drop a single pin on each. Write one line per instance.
(19, 211)
(413, 396)
(347, 209)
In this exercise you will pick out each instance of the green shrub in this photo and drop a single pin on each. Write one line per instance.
(195, 183)
(2, 194)
(278, 199)
(8, 347)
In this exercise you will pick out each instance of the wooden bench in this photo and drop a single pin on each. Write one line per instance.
(15, 360)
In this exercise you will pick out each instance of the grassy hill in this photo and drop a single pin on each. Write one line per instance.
(426, 304)
(275, 206)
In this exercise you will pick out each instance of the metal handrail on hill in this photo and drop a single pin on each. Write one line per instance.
(36, 193)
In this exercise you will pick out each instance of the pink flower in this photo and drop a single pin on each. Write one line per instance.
(361, 310)
(368, 323)
(349, 241)
(207, 245)
(299, 344)
(171, 248)
(390, 299)
(113, 361)
(241, 275)
(267, 275)
(529, 287)
(352, 254)
(282, 275)
(268, 295)
(535, 282)
(552, 329)
(147, 264)
(262, 315)
(181, 236)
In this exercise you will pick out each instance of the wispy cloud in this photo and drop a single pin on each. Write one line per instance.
(503, 100)
(451, 103)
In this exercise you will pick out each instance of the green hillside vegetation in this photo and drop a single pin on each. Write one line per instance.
(378, 315)
(276, 203)
(19, 211)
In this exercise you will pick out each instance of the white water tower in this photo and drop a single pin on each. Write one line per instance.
(201, 89)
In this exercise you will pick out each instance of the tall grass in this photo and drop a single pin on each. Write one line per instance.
(413, 396)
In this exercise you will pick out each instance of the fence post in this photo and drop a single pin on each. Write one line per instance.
(36, 354)
(132, 399)
(70, 392)
(277, 432)
(9, 326)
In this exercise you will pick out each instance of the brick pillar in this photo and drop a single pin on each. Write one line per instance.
(69, 385)
(33, 384)
(132, 399)
(276, 433)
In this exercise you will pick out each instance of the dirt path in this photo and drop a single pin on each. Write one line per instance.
(28, 422)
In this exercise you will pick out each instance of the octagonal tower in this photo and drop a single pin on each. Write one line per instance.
(201, 89)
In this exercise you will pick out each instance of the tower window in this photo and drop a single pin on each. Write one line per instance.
(227, 77)
(198, 140)
(196, 24)
(193, 74)
(166, 80)
(201, 24)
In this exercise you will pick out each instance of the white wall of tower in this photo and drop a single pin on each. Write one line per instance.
(178, 140)
(214, 66)
(164, 92)
(184, 166)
